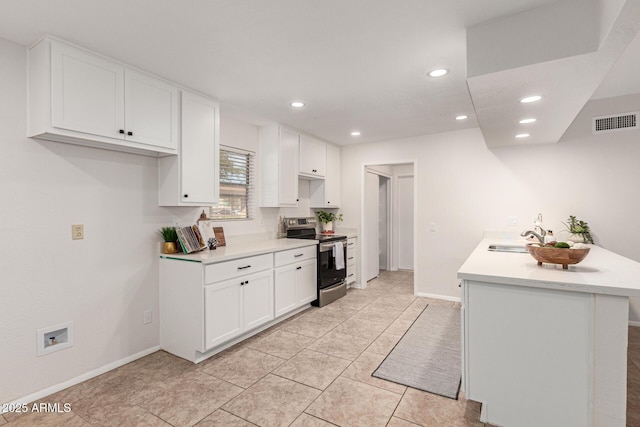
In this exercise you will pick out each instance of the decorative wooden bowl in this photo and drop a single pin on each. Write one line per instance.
(562, 256)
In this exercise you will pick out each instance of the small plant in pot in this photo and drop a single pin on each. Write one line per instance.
(327, 219)
(580, 232)
(170, 237)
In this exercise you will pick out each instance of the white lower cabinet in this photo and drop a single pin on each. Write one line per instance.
(223, 312)
(207, 307)
(237, 305)
(551, 346)
(296, 282)
(352, 261)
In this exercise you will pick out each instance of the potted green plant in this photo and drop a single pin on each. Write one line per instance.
(327, 219)
(170, 237)
(580, 231)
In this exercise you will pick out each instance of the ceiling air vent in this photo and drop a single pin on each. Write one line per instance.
(616, 122)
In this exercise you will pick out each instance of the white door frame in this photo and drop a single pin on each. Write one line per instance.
(363, 239)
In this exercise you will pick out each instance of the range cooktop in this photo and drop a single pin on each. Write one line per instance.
(305, 228)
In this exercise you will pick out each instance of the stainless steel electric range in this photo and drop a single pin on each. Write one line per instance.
(332, 258)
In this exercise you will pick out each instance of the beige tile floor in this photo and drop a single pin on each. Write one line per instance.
(311, 370)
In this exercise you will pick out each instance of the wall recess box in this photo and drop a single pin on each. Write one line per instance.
(54, 338)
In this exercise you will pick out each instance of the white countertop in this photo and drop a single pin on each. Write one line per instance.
(241, 247)
(601, 272)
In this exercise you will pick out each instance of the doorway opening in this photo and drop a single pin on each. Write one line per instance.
(388, 219)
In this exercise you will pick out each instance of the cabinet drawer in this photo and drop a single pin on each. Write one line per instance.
(238, 267)
(352, 276)
(295, 255)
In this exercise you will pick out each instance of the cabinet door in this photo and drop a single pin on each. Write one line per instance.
(307, 278)
(222, 312)
(332, 180)
(199, 150)
(87, 92)
(151, 111)
(313, 156)
(258, 299)
(285, 289)
(288, 167)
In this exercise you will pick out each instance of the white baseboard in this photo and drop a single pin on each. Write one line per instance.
(634, 323)
(77, 380)
(436, 296)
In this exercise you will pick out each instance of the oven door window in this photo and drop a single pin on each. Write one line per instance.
(327, 273)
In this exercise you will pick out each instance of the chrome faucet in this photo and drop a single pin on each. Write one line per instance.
(540, 236)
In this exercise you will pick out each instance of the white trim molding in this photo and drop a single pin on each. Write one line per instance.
(436, 296)
(81, 378)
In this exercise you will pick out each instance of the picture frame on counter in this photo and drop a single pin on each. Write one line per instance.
(219, 234)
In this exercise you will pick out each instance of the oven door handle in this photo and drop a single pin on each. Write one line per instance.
(325, 247)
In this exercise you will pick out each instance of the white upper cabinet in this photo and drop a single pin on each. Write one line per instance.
(313, 160)
(79, 97)
(332, 181)
(278, 166)
(326, 193)
(192, 178)
(87, 92)
(151, 111)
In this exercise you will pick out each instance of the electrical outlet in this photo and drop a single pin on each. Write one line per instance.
(147, 317)
(512, 220)
(77, 232)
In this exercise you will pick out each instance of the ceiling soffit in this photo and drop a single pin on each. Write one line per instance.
(561, 51)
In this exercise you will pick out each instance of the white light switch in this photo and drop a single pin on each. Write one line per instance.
(512, 220)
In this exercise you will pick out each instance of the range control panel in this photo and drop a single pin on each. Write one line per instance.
(293, 223)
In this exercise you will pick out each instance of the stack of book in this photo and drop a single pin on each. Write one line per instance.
(190, 239)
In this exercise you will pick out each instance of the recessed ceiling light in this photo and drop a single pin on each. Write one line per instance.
(525, 121)
(439, 72)
(355, 133)
(522, 135)
(529, 99)
(297, 104)
(462, 117)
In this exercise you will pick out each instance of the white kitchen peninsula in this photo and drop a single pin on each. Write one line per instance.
(543, 345)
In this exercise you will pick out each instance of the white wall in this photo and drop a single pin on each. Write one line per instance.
(103, 283)
(465, 188)
(244, 135)
(403, 217)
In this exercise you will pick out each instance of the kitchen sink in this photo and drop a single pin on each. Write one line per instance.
(519, 249)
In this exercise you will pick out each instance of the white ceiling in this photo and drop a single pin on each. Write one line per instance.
(358, 64)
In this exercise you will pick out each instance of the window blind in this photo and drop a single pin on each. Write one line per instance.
(236, 185)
